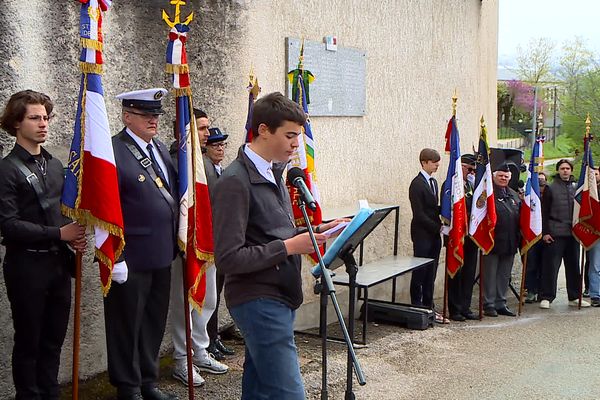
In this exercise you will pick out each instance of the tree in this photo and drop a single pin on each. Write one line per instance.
(505, 105)
(534, 62)
(575, 61)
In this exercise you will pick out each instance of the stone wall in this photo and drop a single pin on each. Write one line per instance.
(418, 52)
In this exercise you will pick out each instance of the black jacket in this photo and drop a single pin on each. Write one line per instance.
(507, 234)
(425, 223)
(23, 222)
(557, 208)
(251, 219)
(150, 223)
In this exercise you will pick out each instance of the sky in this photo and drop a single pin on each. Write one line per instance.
(560, 20)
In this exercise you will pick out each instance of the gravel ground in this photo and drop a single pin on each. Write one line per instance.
(544, 354)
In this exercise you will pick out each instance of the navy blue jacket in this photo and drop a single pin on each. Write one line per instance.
(150, 222)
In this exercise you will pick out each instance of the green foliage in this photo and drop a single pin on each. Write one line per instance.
(535, 61)
(566, 147)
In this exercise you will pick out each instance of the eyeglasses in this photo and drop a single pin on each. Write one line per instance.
(40, 118)
(218, 144)
(147, 117)
(468, 168)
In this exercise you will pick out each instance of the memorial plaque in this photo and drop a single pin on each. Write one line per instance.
(339, 87)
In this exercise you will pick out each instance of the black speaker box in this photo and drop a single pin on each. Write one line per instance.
(406, 315)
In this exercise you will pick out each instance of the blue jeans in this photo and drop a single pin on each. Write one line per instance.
(271, 368)
(594, 273)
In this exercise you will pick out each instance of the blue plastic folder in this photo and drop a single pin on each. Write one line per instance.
(332, 251)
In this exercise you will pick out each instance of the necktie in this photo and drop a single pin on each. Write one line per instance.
(155, 165)
(432, 183)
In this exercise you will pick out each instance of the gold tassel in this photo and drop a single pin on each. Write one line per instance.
(91, 44)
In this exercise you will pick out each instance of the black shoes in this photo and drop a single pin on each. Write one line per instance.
(457, 317)
(222, 348)
(157, 394)
(490, 312)
(595, 302)
(219, 350)
(505, 311)
(471, 316)
(216, 353)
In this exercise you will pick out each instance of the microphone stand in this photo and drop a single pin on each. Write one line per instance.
(327, 288)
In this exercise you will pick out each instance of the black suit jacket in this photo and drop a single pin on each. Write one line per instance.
(150, 222)
(425, 223)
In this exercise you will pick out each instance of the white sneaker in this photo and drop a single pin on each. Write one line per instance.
(545, 304)
(575, 303)
(210, 365)
(180, 372)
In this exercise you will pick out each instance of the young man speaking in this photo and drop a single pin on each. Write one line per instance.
(258, 247)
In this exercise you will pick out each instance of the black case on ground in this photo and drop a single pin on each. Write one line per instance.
(409, 316)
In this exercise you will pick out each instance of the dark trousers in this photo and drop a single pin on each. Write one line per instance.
(460, 288)
(212, 328)
(535, 263)
(562, 249)
(586, 271)
(135, 315)
(38, 286)
(423, 279)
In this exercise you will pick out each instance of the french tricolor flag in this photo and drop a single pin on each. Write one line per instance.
(453, 207)
(91, 193)
(586, 213)
(531, 207)
(483, 209)
(195, 236)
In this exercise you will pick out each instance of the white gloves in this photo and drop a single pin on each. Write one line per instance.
(120, 271)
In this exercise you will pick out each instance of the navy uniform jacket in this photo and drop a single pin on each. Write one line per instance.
(150, 223)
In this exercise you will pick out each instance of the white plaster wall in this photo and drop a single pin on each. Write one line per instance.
(418, 53)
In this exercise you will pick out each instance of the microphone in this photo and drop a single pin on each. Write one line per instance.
(521, 186)
(296, 178)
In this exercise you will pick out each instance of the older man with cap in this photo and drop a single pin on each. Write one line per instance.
(460, 288)
(215, 153)
(499, 262)
(136, 307)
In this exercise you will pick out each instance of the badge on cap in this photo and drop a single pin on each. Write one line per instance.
(158, 95)
(141, 178)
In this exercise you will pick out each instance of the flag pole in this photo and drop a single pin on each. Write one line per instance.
(582, 273)
(76, 326)
(523, 273)
(188, 331)
(588, 124)
(480, 285)
(445, 310)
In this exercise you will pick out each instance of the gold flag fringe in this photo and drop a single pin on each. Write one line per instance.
(85, 217)
(199, 306)
(91, 44)
(89, 68)
(186, 91)
(177, 68)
